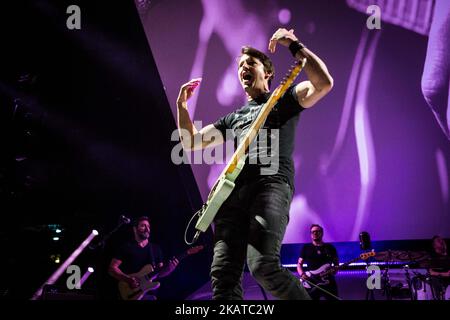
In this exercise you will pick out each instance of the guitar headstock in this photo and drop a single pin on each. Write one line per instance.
(290, 76)
(194, 250)
(367, 255)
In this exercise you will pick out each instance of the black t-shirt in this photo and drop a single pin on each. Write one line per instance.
(284, 117)
(440, 263)
(134, 257)
(317, 256)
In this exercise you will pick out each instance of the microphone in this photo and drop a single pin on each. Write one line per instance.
(364, 241)
(124, 219)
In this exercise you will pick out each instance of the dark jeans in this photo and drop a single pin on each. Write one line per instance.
(251, 224)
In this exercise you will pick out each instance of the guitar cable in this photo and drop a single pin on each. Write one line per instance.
(197, 233)
(320, 288)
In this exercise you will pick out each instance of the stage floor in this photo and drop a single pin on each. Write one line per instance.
(351, 285)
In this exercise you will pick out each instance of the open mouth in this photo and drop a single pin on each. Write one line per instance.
(247, 77)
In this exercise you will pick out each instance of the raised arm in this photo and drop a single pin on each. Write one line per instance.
(319, 81)
(191, 138)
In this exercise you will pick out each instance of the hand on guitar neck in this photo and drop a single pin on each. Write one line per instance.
(166, 269)
(136, 285)
(160, 271)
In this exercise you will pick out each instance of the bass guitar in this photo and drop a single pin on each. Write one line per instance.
(321, 275)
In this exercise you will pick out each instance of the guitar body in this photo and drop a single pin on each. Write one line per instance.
(145, 284)
(317, 276)
(219, 193)
(146, 277)
(321, 275)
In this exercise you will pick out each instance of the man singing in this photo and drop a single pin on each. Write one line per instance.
(251, 223)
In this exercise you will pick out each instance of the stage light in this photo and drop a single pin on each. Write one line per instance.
(86, 275)
(55, 238)
(55, 258)
(284, 16)
(57, 274)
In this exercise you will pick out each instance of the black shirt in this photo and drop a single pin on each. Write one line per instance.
(284, 117)
(317, 256)
(134, 257)
(439, 262)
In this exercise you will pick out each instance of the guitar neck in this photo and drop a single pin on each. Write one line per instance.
(341, 266)
(182, 256)
(348, 263)
(158, 269)
(251, 134)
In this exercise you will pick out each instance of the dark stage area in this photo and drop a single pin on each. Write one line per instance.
(85, 138)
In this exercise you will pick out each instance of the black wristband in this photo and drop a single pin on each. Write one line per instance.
(295, 47)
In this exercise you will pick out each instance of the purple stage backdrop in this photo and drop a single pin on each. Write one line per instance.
(374, 154)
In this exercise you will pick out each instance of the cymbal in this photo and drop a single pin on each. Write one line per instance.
(390, 255)
(401, 256)
(413, 256)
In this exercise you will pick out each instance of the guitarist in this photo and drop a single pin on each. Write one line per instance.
(134, 255)
(315, 255)
(251, 223)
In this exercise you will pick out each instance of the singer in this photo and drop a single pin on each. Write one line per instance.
(251, 223)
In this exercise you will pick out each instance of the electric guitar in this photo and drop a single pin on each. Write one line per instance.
(146, 278)
(225, 183)
(321, 275)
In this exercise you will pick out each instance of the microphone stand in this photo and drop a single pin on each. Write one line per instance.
(369, 292)
(409, 282)
(387, 283)
(100, 262)
(101, 243)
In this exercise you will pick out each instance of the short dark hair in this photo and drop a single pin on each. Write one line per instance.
(141, 218)
(316, 225)
(261, 56)
(435, 237)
